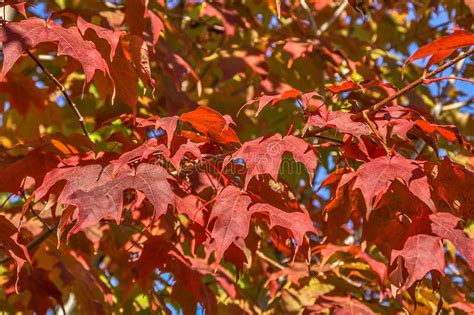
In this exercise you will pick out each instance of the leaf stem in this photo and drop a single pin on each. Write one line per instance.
(63, 91)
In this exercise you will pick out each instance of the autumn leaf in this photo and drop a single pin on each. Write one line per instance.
(297, 222)
(211, 123)
(421, 254)
(232, 219)
(447, 132)
(98, 193)
(10, 245)
(18, 37)
(341, 121)
(445, 225)
(443, 47)
(264, 156)
(110, 36)
(272, 99)
(35, 164)
(375, 177)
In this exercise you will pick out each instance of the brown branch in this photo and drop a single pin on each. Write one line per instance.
(63, 91)
(402, 91)
(412, 85)
(324, 138)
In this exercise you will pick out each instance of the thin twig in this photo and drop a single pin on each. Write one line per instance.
(457, 105)
(373, 127)
(6, 200)
(314, 26)
(63, 91)
(270, 261)
(324, 138)
(335, 16)
(438, 108)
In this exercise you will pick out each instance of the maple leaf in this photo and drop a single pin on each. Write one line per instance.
(191, 206)
(449, 133)
(232, 219)
(394, 120)
(443, 47)
(98, 194)
(446, 178)
(168, 124)
(211, 123)
(345, 86)
(238, 61)
(189, 147)
(18, 37)
(122, 76)
(135, 14)
(142, 152)
(10, 245)
(19, 5)
(157, 26)
(445, 225)
(297, 49)
(23, 93)
(141, 59)
(157, 252)
(421, 254)
(272, 99)
(223, 277)
(112, 37)
(350, 85)
(297, 222)
(44, 293)
(105, 200)
(375, 177)
(77, 178)
(35, 164)
(340, 121)
(264, 156)
(320, 4)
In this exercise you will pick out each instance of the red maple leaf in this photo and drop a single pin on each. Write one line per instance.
(211, 123)
(375, 177)
(421, 254)
(443, 47)
(264, 156)
(232, 218)
(18, 37)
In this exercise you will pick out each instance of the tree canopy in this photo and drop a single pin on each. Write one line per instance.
(258, 156)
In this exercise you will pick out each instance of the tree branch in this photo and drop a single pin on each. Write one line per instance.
(336, 15)
(457, 105)
(413, 84)
(63, 91)
(307, 9)
(404, 90)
